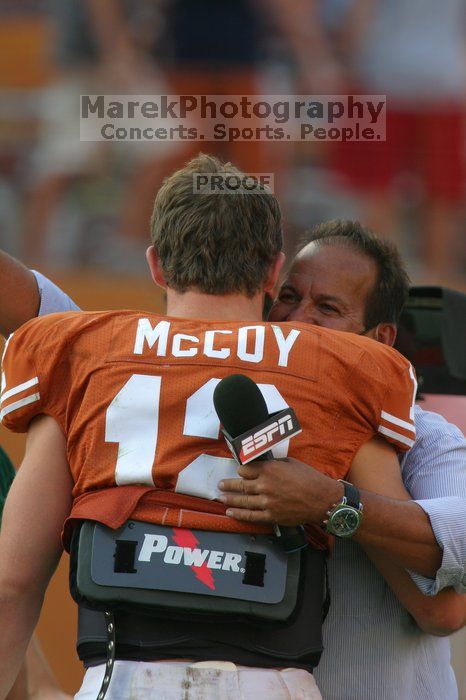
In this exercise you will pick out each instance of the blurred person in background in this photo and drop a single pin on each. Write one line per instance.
(100, 48)
(157, 47)
(415, 54)
(206, 48)
(118, 47)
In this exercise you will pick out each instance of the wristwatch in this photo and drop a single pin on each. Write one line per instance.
(344, 518)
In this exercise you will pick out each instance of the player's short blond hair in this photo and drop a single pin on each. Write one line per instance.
(215, 242)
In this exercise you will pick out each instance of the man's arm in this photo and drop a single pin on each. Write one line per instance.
(20, 299)
(27, 294)
(316, 62)
(290, 492)
(41, 682)
(19, 689)
(434, 472)
(30, 545)
(392, 524)
(111, 29)
(287, 493)
(118, 51)
(440, 615)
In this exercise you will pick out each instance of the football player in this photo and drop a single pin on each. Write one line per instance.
(120, 420)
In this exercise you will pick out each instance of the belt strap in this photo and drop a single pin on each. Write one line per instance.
(111, 642)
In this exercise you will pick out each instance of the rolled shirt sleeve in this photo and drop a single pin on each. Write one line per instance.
(52, 298)
(434, 472)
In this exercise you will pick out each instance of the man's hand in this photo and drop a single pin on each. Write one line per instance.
(289, 492)
(283, 491)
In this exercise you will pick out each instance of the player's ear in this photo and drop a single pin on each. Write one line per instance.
(155, 267)
(386, 333)
(274, 273)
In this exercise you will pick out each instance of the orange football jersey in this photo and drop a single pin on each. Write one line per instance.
(133, 394)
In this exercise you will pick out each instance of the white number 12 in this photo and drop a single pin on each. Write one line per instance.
(132, 421)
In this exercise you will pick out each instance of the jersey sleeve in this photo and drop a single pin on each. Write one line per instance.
(34, 360)
(396, 413)
(384, 386)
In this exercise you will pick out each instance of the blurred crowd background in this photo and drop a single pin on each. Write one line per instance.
(66, 204)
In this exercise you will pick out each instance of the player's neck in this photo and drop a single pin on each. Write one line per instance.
(231, 307)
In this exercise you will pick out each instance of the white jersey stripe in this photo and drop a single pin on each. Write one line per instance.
(19, 388)
(5, 347)
(396, 436)
(397, 421)
(414, 380)
(19, 404)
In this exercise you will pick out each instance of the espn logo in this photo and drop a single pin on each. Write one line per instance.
(276, 429)
(254, 443)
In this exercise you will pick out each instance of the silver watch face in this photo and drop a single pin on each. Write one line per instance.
(344, 521)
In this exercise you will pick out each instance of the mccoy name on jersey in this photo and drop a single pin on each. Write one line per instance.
(133, 392)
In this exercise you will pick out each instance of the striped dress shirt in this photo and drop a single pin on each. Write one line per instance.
(373, 649)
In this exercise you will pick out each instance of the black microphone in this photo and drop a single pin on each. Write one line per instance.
(250, 430)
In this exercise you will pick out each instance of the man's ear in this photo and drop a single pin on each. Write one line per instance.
(155, 267)
(274, 273)
(386, 333)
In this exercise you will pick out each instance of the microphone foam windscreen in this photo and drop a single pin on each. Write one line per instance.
(239, 404)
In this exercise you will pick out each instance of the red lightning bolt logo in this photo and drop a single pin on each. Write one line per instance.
(185, 538)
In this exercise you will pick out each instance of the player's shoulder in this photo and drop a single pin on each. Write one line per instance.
(66, 323)
(374, 352)
(352, 347)
(38, 330)
(53, 334)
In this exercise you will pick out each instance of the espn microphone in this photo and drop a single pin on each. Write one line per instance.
(250, 431)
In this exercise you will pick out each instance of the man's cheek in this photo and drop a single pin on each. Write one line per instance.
(279, 312)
